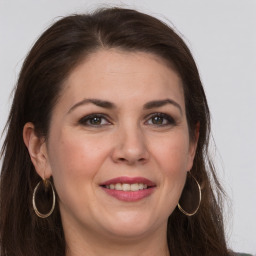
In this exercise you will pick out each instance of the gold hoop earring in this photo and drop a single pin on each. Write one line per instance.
(187, 197)
(46, 184)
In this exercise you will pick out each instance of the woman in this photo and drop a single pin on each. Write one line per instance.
(106, 150)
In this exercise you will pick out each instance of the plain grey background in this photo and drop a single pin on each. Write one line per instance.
(222, 37)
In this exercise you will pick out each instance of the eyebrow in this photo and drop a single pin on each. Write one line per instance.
(97, 102)
(160, 103)
(110, 105)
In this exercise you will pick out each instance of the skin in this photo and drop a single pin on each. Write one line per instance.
(129, 140)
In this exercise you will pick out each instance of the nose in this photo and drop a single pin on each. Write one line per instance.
(130, 147)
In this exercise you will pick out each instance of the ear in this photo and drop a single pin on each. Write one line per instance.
(37, 150)
(193, 146)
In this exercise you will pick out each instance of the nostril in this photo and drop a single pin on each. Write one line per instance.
(131, 161)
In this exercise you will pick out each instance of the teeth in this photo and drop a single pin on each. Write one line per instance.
(135, 187)
(118, 186)
(141, 186)
(127, 187)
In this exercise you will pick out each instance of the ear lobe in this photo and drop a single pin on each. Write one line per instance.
(37, 150)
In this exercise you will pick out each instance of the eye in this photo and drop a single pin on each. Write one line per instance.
(160, 119)
(94, 120)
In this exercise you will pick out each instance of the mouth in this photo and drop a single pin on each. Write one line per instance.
(129, 188)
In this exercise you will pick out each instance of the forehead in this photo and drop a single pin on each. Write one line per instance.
(119, 74)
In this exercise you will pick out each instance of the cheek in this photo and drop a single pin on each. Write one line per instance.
(75, 153)
(74, 162)
(172, 154)
(174, 167)
(172, 160)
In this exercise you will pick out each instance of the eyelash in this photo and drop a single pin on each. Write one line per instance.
(169, 120)
(85, 120)
(166, 119)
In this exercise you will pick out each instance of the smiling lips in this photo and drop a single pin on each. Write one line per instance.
(129, 188)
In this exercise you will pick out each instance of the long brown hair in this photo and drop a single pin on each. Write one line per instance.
(53, 57)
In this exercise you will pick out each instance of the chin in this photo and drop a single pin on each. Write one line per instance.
(130, 226)
(129, 233)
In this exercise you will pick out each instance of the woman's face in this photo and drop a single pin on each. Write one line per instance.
(119, 147)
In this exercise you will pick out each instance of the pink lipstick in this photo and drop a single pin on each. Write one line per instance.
(129, 188)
